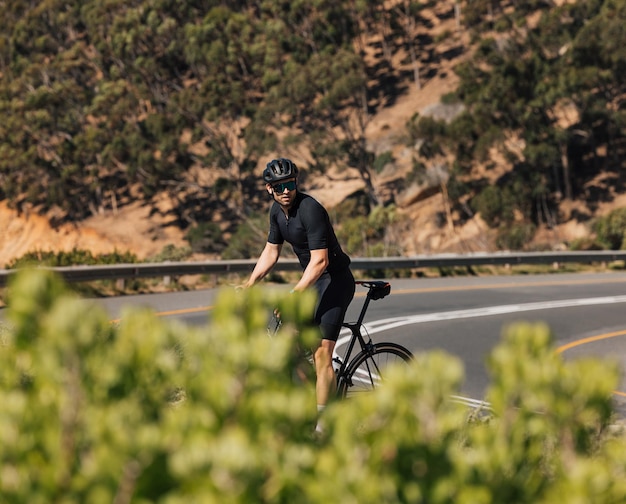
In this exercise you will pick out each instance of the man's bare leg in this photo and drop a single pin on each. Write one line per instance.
(326, 383)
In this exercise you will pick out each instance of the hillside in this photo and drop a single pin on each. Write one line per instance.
(145, 230)
(135, 228)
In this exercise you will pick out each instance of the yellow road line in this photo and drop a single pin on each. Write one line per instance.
(180, 311)
(592, 339)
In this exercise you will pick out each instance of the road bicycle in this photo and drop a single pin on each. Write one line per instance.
(365, 371)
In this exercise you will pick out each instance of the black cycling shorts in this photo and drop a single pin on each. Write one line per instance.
(335, 292)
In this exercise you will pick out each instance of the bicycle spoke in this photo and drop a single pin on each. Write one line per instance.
(366, 372)
(366, 376)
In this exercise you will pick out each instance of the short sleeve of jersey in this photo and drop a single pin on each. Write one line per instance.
(274, 236)
(316, 223)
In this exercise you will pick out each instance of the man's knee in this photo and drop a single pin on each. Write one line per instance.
(324, 354)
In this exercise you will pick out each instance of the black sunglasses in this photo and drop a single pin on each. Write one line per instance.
(280, 188)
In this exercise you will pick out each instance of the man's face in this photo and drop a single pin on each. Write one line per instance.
(284, 192)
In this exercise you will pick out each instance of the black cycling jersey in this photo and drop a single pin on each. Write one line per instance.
(307, 228)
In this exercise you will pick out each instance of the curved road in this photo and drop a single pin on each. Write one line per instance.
(465, 315)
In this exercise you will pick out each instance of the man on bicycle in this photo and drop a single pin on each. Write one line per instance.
(297, 218)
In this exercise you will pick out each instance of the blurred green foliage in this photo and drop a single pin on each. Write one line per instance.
(153, 411)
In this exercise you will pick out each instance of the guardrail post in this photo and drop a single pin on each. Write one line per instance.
(120, 284)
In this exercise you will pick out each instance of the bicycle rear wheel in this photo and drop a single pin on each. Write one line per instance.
(367, 370)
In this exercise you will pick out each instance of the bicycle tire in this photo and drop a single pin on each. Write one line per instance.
(363, 373)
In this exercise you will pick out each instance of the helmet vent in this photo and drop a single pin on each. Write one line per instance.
(279, 169)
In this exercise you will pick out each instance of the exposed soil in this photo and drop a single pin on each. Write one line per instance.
(131, 229)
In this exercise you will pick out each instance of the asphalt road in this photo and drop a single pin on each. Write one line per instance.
(465, 315)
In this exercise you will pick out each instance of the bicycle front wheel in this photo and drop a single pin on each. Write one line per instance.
(367, 370)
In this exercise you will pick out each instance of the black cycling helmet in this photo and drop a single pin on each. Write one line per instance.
(279, 169)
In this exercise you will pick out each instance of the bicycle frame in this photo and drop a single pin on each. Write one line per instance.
(357, 336)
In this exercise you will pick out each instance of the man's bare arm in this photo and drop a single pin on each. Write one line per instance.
(317, 265)
(267, 260)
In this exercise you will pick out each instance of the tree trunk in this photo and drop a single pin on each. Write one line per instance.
(409, 31)
(567, 177)
(446, 206)
(457, 14)
(366, 176)
(416, 70)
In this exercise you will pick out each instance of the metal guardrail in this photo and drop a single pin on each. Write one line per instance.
(170, 269)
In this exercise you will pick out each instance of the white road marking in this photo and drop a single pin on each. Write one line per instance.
(394, 322)
(391, 323)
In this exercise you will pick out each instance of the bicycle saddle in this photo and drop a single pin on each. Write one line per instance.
(377, 288)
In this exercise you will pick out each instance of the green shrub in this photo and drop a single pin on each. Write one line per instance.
(417, 174)
(205, 237)
(383, 160)
(515, 236)
(171, 253)
(489, 204)
(443, 36)
(71, 258)
(357, 204)
(248, 240)
(150, 411)
(365, 235)
(586, 243)
(450, 98)
(429, 132)
(611, 229)
(496, 205)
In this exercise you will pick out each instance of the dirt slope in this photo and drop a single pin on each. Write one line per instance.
(131, 229)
